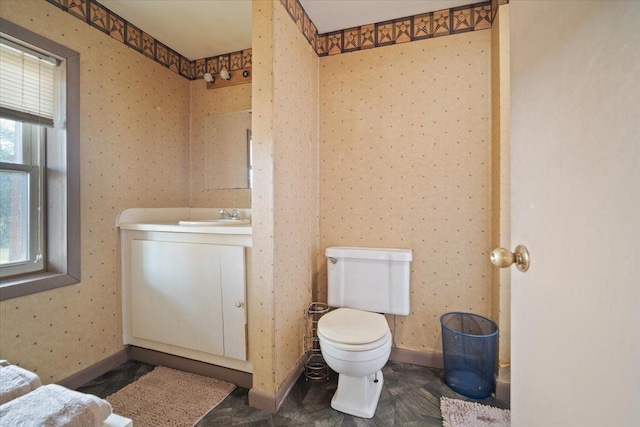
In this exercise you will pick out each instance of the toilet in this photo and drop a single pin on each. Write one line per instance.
(355, 339)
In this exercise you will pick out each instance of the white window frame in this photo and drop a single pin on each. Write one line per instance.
(62, 208)
(33, 164)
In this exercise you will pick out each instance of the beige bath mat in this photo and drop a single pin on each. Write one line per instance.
(458, 413)
(171, 398)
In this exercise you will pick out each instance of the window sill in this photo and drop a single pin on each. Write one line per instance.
(14, 287)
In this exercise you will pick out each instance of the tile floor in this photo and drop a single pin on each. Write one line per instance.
(410, 397)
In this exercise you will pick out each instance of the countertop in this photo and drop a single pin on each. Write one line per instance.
(174, 227)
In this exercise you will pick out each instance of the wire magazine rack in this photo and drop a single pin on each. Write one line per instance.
(315, 367)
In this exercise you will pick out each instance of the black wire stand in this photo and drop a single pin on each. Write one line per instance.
(315, 368)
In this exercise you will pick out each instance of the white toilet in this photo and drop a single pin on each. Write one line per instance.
(355, 340)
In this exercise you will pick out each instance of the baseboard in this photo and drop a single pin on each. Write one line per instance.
(430, 359)
(242, 379)
(272, 402)
(262, 400)
(94, 371)
(288, 384)
(503, 391)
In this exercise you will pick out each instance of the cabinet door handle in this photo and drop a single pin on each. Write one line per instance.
(239, 304)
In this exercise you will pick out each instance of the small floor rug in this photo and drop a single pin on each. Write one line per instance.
(171, 398)
(459, 413)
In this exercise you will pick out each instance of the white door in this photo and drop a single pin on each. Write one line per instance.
(575, 140)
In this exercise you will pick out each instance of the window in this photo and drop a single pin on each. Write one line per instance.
(22, 166)
(39, 163)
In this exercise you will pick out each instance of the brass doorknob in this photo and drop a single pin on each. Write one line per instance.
(503, 258)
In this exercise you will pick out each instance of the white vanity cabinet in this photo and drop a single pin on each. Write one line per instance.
(184, 293)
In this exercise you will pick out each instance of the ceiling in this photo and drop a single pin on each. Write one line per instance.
(194, 28)
(204, 28)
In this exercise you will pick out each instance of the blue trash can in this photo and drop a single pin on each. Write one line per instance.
(469, 347)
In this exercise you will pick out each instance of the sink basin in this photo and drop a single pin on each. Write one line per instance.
(217, 222)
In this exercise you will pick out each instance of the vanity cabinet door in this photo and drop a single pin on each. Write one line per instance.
(176, 294)
(233, 302)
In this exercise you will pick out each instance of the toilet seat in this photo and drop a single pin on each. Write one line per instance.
(354, 330)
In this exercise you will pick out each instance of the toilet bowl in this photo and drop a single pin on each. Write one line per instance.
(356, 344)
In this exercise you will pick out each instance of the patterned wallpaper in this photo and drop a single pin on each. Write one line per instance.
(295, 187)
(262, 298)
(285, 194)
(135, 152)
(405, 158)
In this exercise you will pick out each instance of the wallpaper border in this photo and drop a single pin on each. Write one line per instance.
(474, 17)
(478, 16)
(99, 17)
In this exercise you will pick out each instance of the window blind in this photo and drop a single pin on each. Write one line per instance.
(26, 84)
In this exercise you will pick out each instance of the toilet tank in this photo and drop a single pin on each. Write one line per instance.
(370, 279)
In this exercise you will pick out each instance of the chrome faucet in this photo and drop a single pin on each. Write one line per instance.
(235, 214)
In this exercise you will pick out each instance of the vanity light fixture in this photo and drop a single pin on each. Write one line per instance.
(224, 74)
(224, 77)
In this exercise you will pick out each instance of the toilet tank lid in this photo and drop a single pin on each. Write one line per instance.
(391, 254)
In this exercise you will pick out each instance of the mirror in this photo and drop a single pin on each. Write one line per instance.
(227, 151)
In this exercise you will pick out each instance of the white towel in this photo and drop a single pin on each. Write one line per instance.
(15, 382)
(55, 406)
